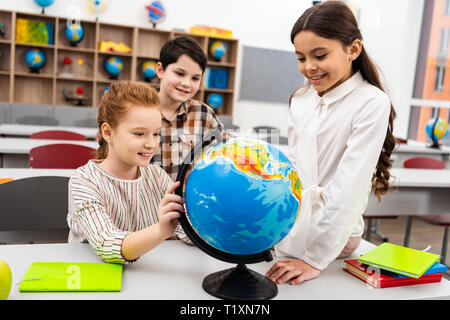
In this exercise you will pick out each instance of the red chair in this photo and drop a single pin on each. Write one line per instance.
(60, 156)
(423, 163)
(58, 135)
(440, 220)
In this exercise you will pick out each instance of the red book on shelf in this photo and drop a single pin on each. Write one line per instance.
(378, 279)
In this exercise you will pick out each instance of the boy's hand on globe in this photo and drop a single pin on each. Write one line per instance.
(169, 211)
(293, 270)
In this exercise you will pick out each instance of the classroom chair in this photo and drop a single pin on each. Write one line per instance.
(268, 133)
(88, 123)
(34, 209)
(58, 135)
(439, 220)
(60, 156)
(39, 120)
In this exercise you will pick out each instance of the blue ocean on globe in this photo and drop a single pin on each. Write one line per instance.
(35, 58)
(243, 196)
(215, 100)
(74, 33)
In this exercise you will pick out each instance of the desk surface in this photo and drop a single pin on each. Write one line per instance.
(26, 130)
(420, 148)
(174, 271)
(425, 178)
(24, 145)
(20, 173)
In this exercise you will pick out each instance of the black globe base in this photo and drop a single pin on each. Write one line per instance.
(434, 144)
(239, 283)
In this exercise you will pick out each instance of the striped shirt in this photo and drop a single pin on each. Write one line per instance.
(103, 209)
(193, 120)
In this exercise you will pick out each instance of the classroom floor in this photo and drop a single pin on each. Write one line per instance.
(423, 234)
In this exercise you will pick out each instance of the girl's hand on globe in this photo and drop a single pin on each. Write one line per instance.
(169, 211)
(293, 270)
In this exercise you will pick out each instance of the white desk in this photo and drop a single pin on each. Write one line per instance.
(414, 192)
(26, 130)
(419, 149)
(174, 271)
(20, 173)
(14, 151)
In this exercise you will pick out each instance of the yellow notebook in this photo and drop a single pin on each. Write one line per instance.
(72, 276)
(406, 261)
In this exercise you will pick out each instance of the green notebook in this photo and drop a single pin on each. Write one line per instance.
(406, 261)
(72, 276)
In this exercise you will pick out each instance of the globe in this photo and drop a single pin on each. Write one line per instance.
(436, 129)
(74, 33)
(35, 59)
(156, 12)
(215, 100)
(96, 6)
(242, 197)
(148, 69)
(217, 49)
(113, 66)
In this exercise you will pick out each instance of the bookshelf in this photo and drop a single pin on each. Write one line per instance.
(86, 68)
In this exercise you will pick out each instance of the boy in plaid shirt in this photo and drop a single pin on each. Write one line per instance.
(184, 121)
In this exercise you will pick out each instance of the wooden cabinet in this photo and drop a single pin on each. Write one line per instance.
(85, 72)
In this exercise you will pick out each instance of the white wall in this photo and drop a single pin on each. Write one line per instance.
(391, 31)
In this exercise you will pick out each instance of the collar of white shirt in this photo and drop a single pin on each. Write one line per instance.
(342, 90)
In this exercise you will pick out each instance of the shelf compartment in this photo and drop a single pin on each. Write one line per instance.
(71, 87)
(5, 57)
(6, 20)
(227, 104)
(4, 84)
(25, 33)
(82, 64)
(33, 90)
(88, 41)
(118, 34)
(230, 56)
(21, 66)
(149, 42)
(102, 75)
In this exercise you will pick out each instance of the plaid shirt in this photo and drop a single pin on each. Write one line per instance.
(193, 120)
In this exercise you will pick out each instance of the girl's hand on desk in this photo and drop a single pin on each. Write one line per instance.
(169, 211)
(294, 270)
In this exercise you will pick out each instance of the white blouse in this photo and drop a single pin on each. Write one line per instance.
(334, 142)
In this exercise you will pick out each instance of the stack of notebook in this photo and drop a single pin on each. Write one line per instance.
(390, 265)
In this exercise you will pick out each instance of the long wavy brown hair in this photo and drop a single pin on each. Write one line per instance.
(335, 20)
(116, 102)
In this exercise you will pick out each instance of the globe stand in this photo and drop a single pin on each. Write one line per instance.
(235, 283)
(34, 70)
(239, 283)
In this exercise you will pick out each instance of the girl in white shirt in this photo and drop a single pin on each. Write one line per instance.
(340, 140)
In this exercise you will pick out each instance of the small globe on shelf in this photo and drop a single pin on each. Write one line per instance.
(242, 197)
(148, 69)
(215, 100)
(74, 33)
(35, 59)
(218, 49)
(113, 66)
(436, 129)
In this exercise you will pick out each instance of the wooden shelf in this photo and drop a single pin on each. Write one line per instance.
(87, 61)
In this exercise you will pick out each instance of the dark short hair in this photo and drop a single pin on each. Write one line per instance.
(173, 49)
